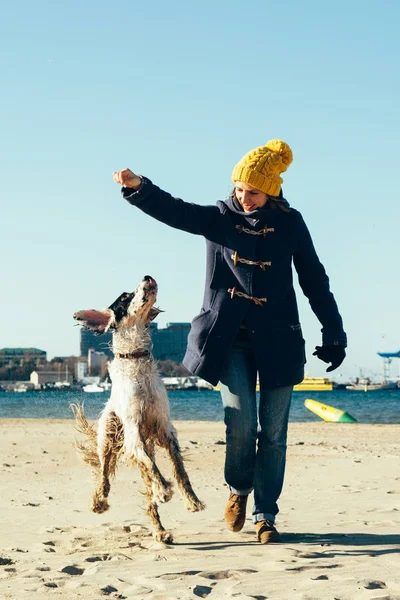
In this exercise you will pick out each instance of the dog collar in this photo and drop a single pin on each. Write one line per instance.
(139, 354)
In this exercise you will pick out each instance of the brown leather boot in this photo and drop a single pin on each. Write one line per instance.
(266, 533)
(235, 512)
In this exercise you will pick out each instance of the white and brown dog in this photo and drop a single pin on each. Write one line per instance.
(136, 418)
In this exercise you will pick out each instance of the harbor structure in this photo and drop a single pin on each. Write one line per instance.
(387, 358)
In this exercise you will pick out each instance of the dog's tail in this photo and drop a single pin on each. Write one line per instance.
(87, 448)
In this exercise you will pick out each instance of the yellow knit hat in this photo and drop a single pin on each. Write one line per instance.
(262, 167)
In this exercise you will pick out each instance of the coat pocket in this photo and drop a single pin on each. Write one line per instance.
(290, 345)
(200, 330)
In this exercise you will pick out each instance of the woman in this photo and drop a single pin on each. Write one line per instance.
(249, 321)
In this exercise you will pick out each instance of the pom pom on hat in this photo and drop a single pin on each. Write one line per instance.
(262, 167)
(282, 149)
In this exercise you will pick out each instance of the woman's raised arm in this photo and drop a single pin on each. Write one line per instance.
(155, 202)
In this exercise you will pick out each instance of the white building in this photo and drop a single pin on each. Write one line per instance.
(97, 362)
(81, 369)
(39, 378)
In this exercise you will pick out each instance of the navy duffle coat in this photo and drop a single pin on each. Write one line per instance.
(269, 239)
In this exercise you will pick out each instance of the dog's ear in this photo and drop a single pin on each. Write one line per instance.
(153, 313)
(98, 321)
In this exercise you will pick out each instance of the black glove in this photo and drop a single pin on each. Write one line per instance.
(330, 354)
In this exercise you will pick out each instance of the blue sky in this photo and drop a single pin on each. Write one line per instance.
(179, 92)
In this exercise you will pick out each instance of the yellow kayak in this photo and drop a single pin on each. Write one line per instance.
(329, 413)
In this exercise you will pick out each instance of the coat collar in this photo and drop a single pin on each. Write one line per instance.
(255, 217)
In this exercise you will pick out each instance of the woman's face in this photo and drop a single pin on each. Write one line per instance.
(249, 197)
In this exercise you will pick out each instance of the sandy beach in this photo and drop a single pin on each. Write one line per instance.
(339, 521)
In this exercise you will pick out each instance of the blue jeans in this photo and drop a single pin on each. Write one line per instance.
(255, 451)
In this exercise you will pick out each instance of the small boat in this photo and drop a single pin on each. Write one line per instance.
(21, 388)
(364, 384)
(106, 385)
(93, 387)
(180, 383)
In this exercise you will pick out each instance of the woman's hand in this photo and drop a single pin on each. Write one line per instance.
(127, 178)
(330, 354)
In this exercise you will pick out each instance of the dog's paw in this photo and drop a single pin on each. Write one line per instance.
(164, 536)
(194, 504)
(162, 494)
(99, 505)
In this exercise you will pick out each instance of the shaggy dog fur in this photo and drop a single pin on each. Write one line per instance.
(136, 418)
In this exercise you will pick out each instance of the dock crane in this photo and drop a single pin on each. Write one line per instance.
(387, 358)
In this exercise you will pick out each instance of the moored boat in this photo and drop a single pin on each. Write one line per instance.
(93, 387)
(314, 384)
(364, 384)
(309, 384)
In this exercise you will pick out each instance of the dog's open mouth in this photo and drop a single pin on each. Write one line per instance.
(150, 287)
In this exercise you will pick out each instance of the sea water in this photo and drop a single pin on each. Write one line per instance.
(381, 406)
